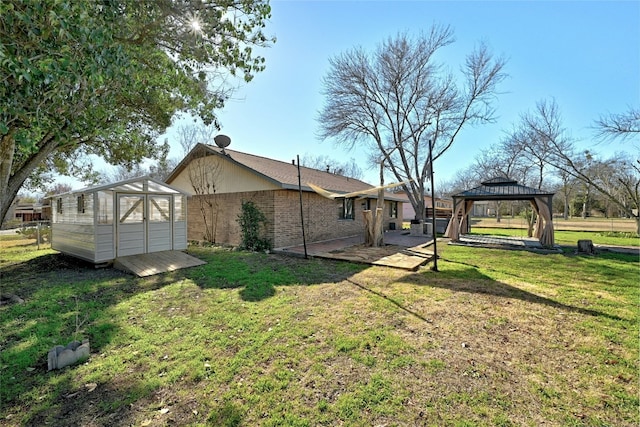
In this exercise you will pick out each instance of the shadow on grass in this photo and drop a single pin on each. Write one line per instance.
(56, 287)
(58, 291)
(471, 280)
(258, 274)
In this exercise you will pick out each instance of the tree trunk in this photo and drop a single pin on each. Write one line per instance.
(7, 149)
(10, 183)
(586, 247)
(368, 228)
(378, 235)
(530, 224)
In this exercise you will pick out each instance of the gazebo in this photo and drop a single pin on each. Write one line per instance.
(497, 189)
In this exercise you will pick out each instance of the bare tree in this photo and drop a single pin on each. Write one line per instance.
(398, 101)
(568, 184)
(163, 168)
(464, 179)
(58, 188)
(190, 134)
(623, 126)
(545, 133)
(204, 174)
(122, 173)
(324, 162)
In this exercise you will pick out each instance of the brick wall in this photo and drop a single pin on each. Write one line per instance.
(222, 211)
(282, 209)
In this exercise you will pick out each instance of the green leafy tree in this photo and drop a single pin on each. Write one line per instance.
(105, 78)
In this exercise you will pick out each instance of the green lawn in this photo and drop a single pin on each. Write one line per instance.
(569, 238)
(496, 338)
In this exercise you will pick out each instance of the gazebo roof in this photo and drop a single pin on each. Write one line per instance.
(501, 188)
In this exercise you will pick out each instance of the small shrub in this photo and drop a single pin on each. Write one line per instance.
(251, 221)
(32, 233)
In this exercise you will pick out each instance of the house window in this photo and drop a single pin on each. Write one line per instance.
(393, 209)
(59, 205)
(81, 203)
(346, 209)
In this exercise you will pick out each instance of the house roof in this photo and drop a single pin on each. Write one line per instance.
(501, 188)
(285, 174)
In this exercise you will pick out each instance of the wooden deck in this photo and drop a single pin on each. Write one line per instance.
(143, 265)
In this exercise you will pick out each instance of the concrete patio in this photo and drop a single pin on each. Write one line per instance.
(401, 250)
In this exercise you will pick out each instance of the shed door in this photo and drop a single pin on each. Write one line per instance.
(159, 226)
(131, 225)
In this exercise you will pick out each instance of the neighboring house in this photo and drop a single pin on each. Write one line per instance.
(483, 208)
(22, 212)
(221, 180)
(443, 207)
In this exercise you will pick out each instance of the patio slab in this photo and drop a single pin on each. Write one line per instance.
(401, 250)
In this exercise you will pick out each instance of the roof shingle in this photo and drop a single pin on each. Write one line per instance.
(286, 174)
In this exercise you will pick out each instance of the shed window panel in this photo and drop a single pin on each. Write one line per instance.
(346, 209)
(81, 203)
(131, 209)
(105, 207)
(179, 211)
(86, 215)
(159, 208)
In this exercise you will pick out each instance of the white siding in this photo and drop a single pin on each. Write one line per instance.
(228, 177)
(74, 239)
(180, 235)
(159, 236)
(88, 224)
(105, 243)
(131, 239)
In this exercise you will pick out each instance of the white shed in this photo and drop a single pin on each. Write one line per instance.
(136, 216)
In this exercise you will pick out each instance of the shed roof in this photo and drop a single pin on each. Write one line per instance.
(501, 188)
(285, 174)
(142, 184)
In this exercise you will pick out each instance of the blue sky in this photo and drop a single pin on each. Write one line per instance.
(585, 54)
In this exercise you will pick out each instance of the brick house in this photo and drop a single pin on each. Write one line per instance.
(221, 180)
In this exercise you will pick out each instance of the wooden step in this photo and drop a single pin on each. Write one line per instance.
(144, 265)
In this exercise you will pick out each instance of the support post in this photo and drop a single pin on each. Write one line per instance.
(304, 239)
(433, 211)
